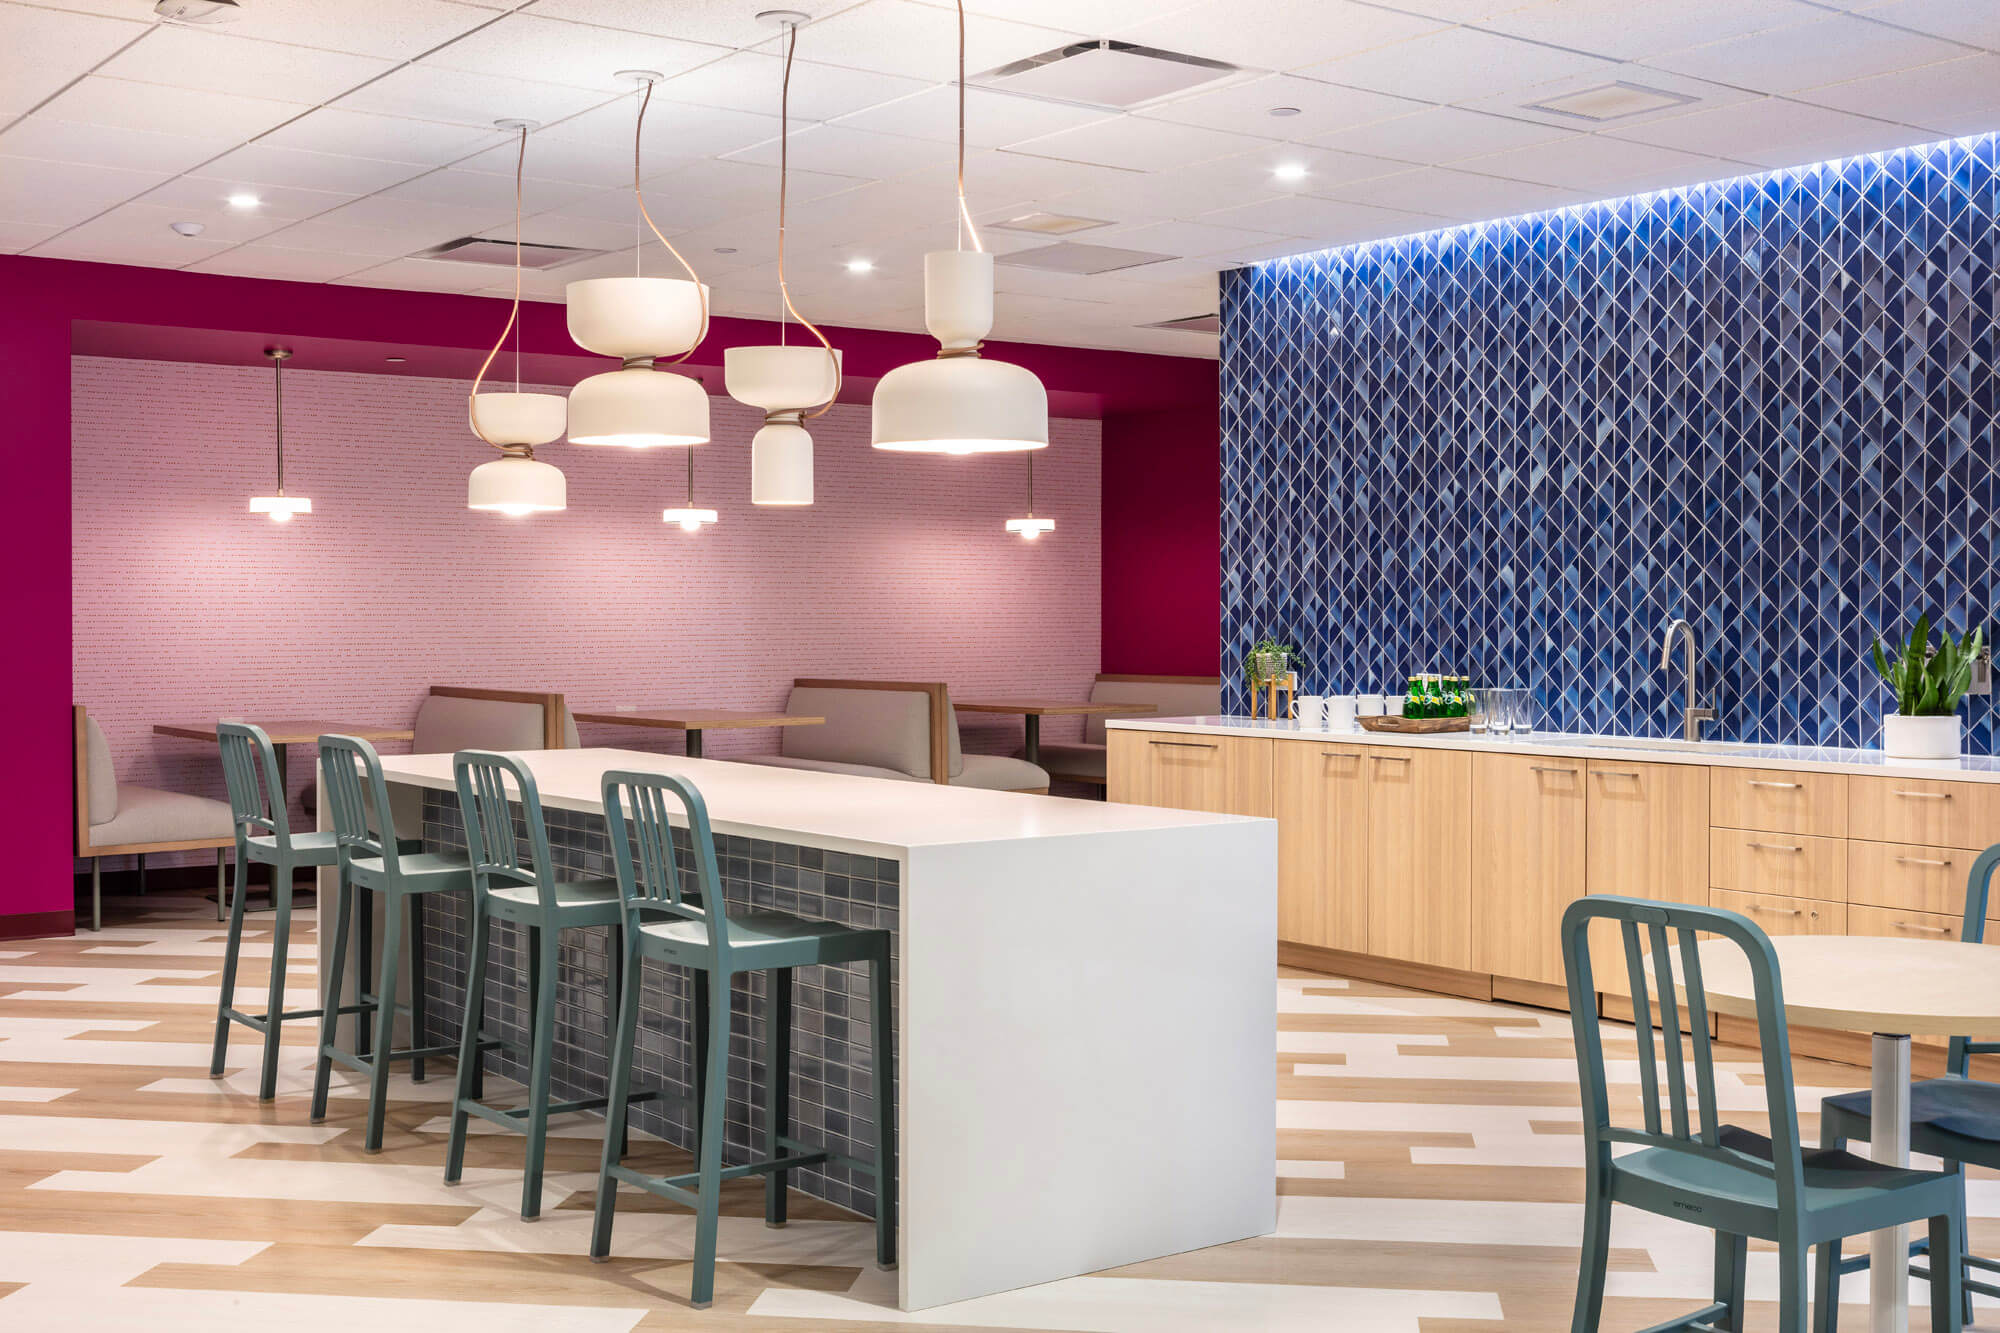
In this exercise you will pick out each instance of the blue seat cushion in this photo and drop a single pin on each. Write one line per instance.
(1962, 1106)
(1833, 1176)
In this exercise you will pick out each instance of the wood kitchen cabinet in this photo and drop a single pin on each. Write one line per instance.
(1224, 775)
(1528, 820)
(1646, 836)
(1419, 855)
(1320, 796)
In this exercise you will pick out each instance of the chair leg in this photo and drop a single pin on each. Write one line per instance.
(709, 1190)
(274, 1011)
(230, 953)
(329, 1023)
(471, 1056)
(1731, 1257)
(385, 1019)
(614, 992)
(698, 982)
(221, 881)
(1964, 1270)
(1949, 1297)
(142, 874)
(777, 1088)
(1595, 1256)
(1826, 1287)
(419, 1028)
(882, 1026)
(1794, 1290)
(364, 928)
(623, 1037)
(97, 894)
(545, 942)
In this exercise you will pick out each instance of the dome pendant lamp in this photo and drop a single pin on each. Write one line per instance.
(639, 320)
(516, 483)
(959, 403)
(791, 385)
(280, 507)
(1031, 527)
(690, 518)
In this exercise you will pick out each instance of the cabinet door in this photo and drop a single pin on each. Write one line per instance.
(1225, 775)
(1420, 855)
(1647, 837)
(1528, 842)
(1320, 795)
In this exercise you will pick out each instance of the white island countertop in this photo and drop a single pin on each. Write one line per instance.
(836, 811)
(1564, 745)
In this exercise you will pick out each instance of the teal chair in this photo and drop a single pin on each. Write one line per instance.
(693, 930)
(375, 863)
(1736, 1183)
(1956, 1118)
(525, 892)
(263, 836)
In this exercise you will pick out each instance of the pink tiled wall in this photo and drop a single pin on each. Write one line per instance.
(188, 607)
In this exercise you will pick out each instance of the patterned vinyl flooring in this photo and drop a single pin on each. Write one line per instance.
(1429, 1182)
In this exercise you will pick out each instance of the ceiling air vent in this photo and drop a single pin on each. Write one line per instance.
(1611, 101)
(1065, 257)
(1105, 73)
(1049, 224)
(1211, 324)
(479, 250)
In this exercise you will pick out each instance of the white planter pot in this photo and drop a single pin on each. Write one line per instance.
(1920, 737)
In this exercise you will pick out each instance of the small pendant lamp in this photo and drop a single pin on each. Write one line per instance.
(516, 483)
(959, 403)
(791, 385)
(1031, 527)
(639, 320)
(690, 518)
(280, 507)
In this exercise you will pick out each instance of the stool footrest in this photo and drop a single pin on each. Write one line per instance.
(833, 1158)
(674, 1187)
(262, 1022)
(517, 1117)
(1695, 1321)
(366, 1064)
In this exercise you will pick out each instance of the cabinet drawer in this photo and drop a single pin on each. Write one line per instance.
(1901, 925)
(1785, 916)
(1926, 811)
(1776, 801)
(1911, 877)
(1788, 865)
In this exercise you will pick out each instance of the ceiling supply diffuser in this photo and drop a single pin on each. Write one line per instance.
(639, 320)
(959, 403)
(1031, 527)
(517, 482)
(790, 385)
(690, 518)
(280, 507)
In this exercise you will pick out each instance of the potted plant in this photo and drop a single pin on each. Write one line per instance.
(1929, 684)
(1268, 660)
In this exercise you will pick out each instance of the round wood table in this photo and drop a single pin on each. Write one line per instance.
(1892, 989)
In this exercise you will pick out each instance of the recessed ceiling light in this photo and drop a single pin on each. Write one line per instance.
(243, 200)
(199, 11)
(1282, 111)
(725, 249)
(860, 266)
(395, 360)
(1289, 171)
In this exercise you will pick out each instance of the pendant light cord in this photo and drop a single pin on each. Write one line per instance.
(1031, 483)
(784, 176)
(513, 318)
(278, 382)
(638, 133)
(964, 213)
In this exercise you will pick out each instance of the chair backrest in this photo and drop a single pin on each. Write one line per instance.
(456, 717)
(490, 837)
(96, 779)
(354, 786)
(905, 725)
(636, 813)
(1978, 888)
(250, 770)
(1659, 944)
(1171, 696)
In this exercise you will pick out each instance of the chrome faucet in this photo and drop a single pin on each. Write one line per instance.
(1691, 716)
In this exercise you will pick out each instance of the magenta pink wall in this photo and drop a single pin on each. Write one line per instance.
(186, 607)
(1163, 540)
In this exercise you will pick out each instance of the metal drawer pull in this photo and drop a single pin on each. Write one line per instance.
(1341, 754)
(1551, 768)
(1775, 847)
(1927, 930)
(1390, 758)
(1616, 773)
(1782, 786)
(1188, 745)
(1920, 861)
(1774, 911)
(1925, 795)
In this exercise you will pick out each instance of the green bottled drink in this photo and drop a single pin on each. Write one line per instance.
(1458, 696)
(1413, 702)
(1435, 701)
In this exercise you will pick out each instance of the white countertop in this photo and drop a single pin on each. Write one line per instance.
(831, 810)
(1559, 745)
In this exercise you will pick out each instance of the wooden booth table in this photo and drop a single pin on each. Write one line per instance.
(694, 721)
(1033, 712)
(1892, 989)
(284, 734)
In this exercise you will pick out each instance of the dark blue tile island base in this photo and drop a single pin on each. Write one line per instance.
(831, 1053)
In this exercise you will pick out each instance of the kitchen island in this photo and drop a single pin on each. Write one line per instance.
(1084, 1005)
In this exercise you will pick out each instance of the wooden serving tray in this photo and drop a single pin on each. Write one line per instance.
(1415, 726)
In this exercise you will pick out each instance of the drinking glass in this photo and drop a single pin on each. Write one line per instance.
(1477, 702)
(1521, 715)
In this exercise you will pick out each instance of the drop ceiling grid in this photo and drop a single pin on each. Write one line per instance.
(372, 136)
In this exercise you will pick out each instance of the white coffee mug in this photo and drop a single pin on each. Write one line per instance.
(1394, 703)
(1340, 712)
(1310, 711)
(1371, 705)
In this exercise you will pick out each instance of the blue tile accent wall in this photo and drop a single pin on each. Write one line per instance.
(1522, 447)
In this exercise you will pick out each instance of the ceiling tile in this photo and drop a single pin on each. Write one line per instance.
(123, 104)
(393, 29)
(270, 261)
(1325, 222)
(221, 62)
(919, 41)
(1138, 145)
(748, 81)
(843, 152)
(263, 164)
(1833, 49)
(1604, 167)
(1093, 18)
(64, 193)
(424, 92)
(522, 46)
(1460, 195)
(992, 120)
(364, 244)
(55, 140)
(1956, 97)
(1959, 20)
(1622, 30)
(1277, 34)
(558, 228)
(1773, 132)
(493, 194)
(147, 221)
(1244, 107)
(423, 275)
(41, 50)
(18, 236)
(721, 22)
(1184, 238)
(1684, 94)
(1441, 134)
(434, 223)
(597, 145)
(1457, 65)
(383, 138)
(200, 196)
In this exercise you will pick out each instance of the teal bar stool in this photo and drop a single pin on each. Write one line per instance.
(1737, 1183)
(375, 863)
(526, 893)
(695, 931)
(264, 836)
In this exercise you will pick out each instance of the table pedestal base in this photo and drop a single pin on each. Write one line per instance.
(1889, 1144)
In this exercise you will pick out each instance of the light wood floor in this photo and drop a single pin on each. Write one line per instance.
(1428, 1182)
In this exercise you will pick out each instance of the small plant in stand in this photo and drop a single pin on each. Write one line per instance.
(1268, 660)
(1929, 683)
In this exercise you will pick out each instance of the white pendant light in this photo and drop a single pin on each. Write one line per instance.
(516, 483)
(1031, 527)
(959, 403)
(688, 516)
(280, 507)
(791, 385)
(639, 320)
